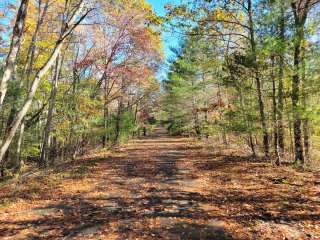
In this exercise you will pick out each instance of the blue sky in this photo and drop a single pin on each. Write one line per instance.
(168, 38)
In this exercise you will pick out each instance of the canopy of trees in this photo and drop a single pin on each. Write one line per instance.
(247, 70)
(74, 74)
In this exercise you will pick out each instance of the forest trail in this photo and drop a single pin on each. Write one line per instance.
(163, 187)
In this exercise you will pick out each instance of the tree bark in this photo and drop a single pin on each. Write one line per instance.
(300, 16)
(306, 138)
(305, 121)
(106, 113)
(118, 121)
(7, 139)
(26, 72)
(274, 114)
(280, 127)
(14, 49)
(28, 67)
(19, 160)
(299, 158)
(45, 150)
(258, 83)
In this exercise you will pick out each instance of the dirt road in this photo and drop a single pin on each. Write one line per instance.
(163, 187)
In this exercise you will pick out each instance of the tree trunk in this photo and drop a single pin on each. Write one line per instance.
(106, 126)
(19, 160)
(247, 121)
(306, 138)
(7, 139)
(280, 126)
(196, 124)
(291, 146)
(118, 121)
(305, 122)
(28, 66)
(106, 113)
(26, 72)
(295, 94)
(224, 132)
(14, 49)
(135, 120)
(274, 114)
(258, 83)
(299, 158)
(251, 144)
(45, 150)
(53, 151)
(300, 11)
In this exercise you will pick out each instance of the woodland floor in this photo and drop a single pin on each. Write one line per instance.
(163, 187)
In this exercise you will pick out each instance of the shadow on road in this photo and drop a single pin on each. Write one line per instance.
(163, 189)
